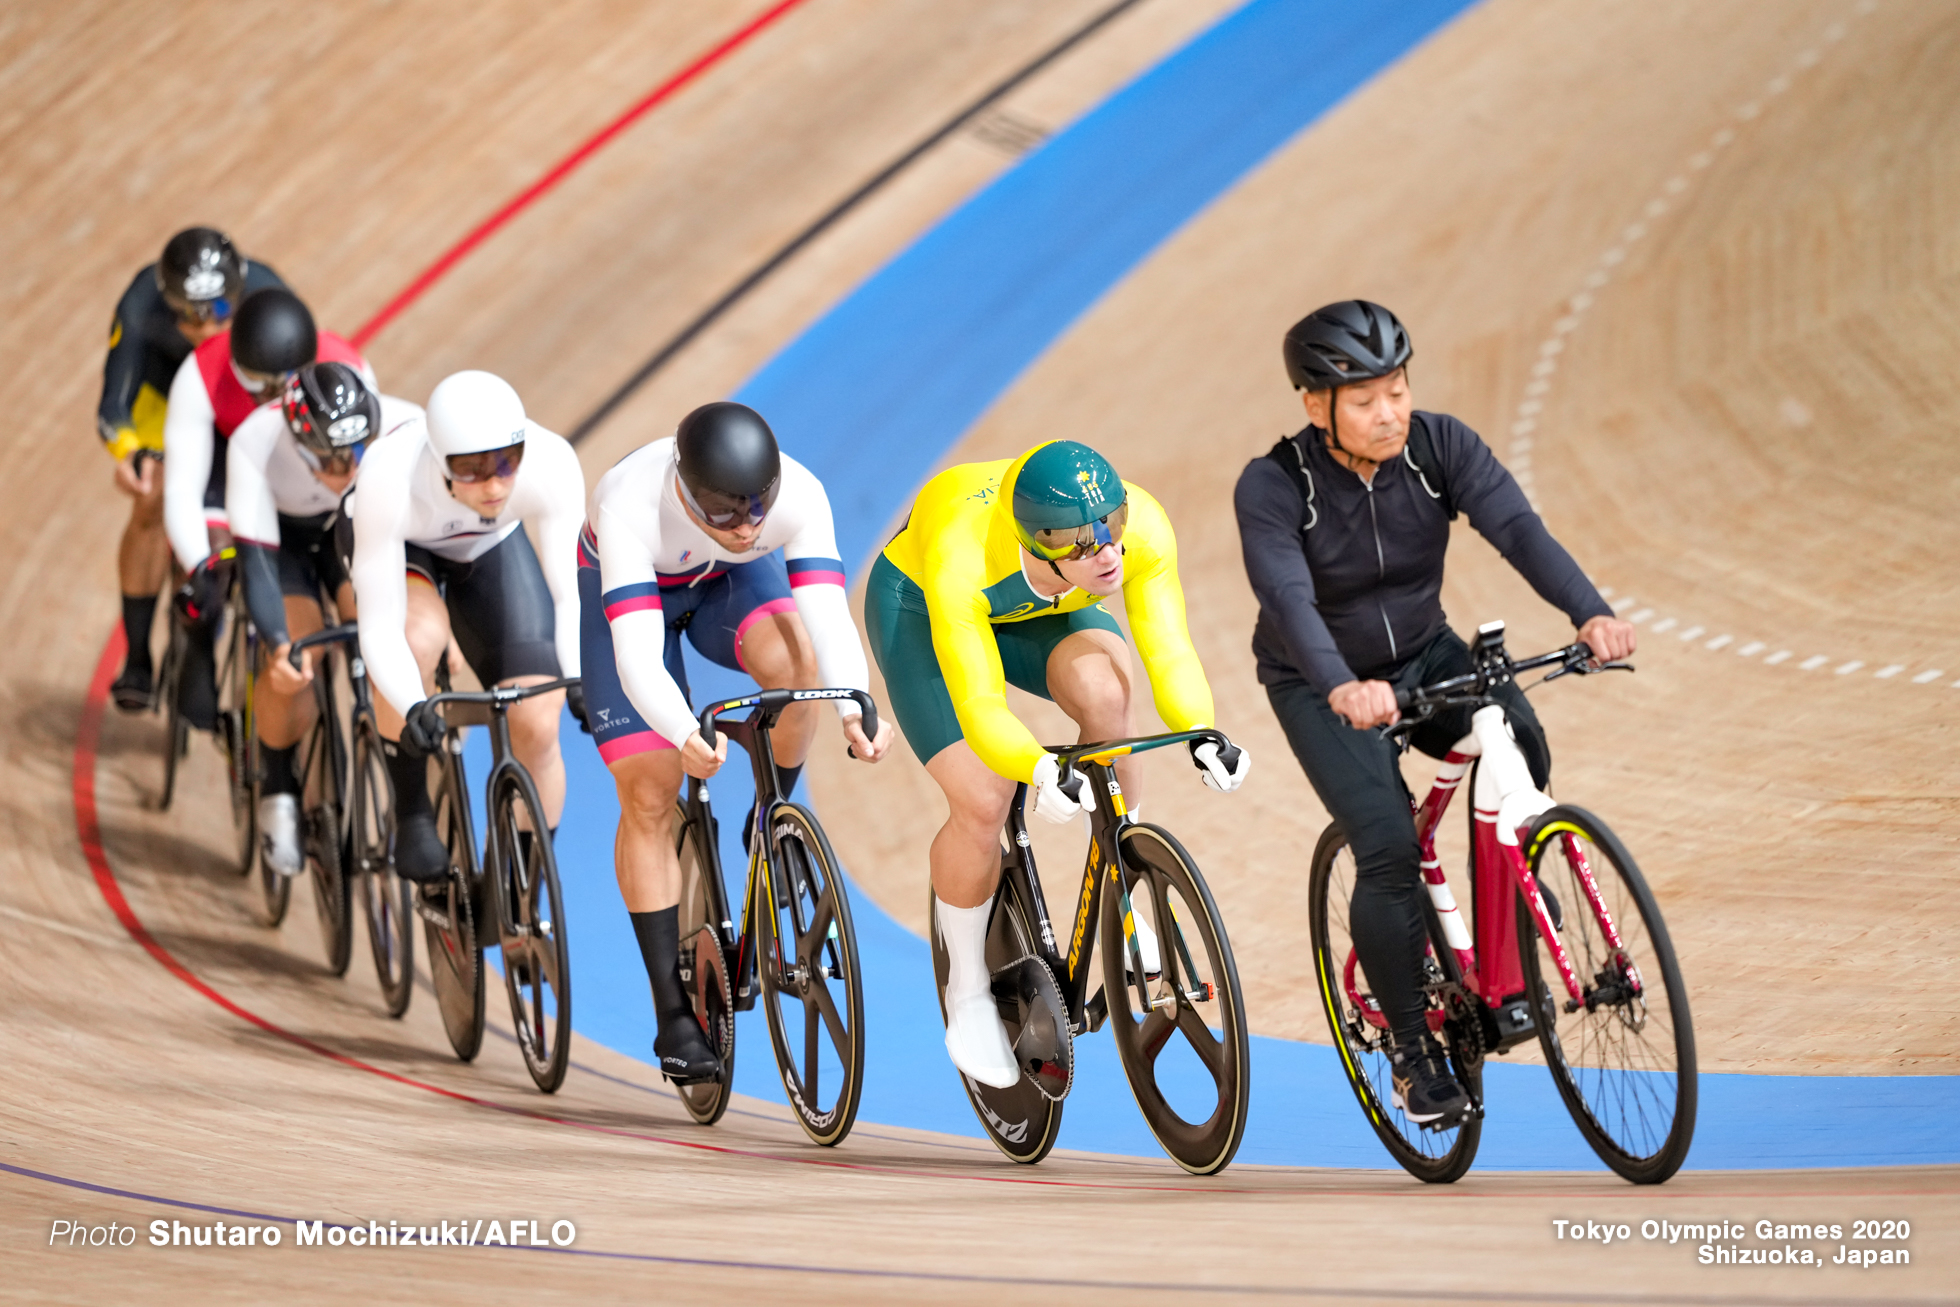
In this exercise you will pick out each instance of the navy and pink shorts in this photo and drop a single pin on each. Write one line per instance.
(714, 607)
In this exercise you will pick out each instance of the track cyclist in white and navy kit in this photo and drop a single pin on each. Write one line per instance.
(287, 467)
(439, 549)
(715, 533)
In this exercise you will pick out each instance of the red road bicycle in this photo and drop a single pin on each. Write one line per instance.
(1568, 947)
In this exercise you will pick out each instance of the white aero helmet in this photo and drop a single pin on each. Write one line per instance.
(470, 412)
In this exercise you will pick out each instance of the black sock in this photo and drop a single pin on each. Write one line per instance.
(138, 612)
(789, 775)
(660, 948)
(276, 775)
(411, 777)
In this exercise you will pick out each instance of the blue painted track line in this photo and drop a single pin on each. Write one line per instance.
(873, 395)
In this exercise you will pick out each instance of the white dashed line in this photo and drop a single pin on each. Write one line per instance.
(1525, 424)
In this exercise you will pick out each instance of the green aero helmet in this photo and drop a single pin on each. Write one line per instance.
(1059, 489)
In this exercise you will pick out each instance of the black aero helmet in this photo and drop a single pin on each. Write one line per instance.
(1343, 343)
(730, 468)
(329, 408)
(200, 274)
(273, 333)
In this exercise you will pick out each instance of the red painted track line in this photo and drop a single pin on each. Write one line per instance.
(565, 167)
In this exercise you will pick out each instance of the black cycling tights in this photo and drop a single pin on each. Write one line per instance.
(1358, 779)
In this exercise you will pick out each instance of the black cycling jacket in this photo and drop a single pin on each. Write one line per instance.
(1360, 593)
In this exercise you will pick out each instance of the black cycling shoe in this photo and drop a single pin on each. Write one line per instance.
(197, 691)
(1424, 1090)
(134, 691)
(420, 854)
(686, 1058)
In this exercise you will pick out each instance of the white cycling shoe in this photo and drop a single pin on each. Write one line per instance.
(977, 1042)
(279, 833)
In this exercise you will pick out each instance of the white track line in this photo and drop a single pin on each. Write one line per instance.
(1525, 425)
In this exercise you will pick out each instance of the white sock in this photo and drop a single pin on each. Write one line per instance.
(965, 932)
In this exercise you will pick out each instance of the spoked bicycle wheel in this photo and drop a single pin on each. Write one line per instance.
(239, 739)
(1361, 1035)
(176, 731)
(537, 958)
(704, 965)
(1624, 1058)
(812, 992)
(455, 942)
(1186, 1053)
(1021, 1120)
(385, 896)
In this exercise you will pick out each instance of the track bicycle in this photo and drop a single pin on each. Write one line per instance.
(326, 827)
(796, 951)
(364, 815)
(1569, 948)
(511, 894)
(1193, 1093)
(237, 646)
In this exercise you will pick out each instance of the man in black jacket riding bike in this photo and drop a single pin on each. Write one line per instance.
(1344, 529)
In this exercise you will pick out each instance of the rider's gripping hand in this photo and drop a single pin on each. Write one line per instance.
(422, 729)
(867, 749)
(285, 678)
(1205, 755)
(1365, 703)
(697, 759)
(1609, 638)
(203, 594)
(575, 704)
(1049, 800)
(138, 475)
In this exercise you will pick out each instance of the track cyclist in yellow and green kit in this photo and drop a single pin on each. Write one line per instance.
(999, 577)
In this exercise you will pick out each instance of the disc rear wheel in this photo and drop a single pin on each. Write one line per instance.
(704, 952)
(450, 929)
(1624, 1056)
(812, 992)
(1361, 1034)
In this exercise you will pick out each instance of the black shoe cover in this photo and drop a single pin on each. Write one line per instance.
(420, 854)
(133, 691)
(685, 1055)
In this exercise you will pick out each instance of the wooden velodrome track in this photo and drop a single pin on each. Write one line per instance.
(1702, 442)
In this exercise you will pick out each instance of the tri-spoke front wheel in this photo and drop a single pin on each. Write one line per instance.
(1623, 1054)
(704, 963)
(451, 931)
(811, 990)
(386, 897)
(1361, 1033)
(1180, 1031)
(537, 956)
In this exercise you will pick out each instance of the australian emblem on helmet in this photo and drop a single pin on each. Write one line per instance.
(1067, 501)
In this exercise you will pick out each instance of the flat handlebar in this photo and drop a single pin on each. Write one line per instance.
(502, 695)
(1498, 668)
(774, 701)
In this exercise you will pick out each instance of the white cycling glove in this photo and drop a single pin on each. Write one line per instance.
(1049, 801)
(1215, 775)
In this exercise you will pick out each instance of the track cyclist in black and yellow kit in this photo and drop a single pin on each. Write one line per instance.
(998, 577)
(174, 305)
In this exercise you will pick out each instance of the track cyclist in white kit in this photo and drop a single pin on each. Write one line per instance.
(439, 549)
(287, 467)
(714, 532)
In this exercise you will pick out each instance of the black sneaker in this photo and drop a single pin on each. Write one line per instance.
(1424, 1090)
(134, 691)
(420, 854)
(686, 1058)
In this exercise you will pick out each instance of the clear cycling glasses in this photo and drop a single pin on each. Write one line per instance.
(1091, 538)
(727, 512)
(471, 468)
(339, 463)
(189, 310)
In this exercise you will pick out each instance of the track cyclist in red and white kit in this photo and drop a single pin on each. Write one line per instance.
(215, 390)
(287, 467)
(439, 549)
(714, 532)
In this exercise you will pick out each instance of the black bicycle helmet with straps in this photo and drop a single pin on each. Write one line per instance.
(329, 408)
(728, 462)
(1343, 343)
(273, 333)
